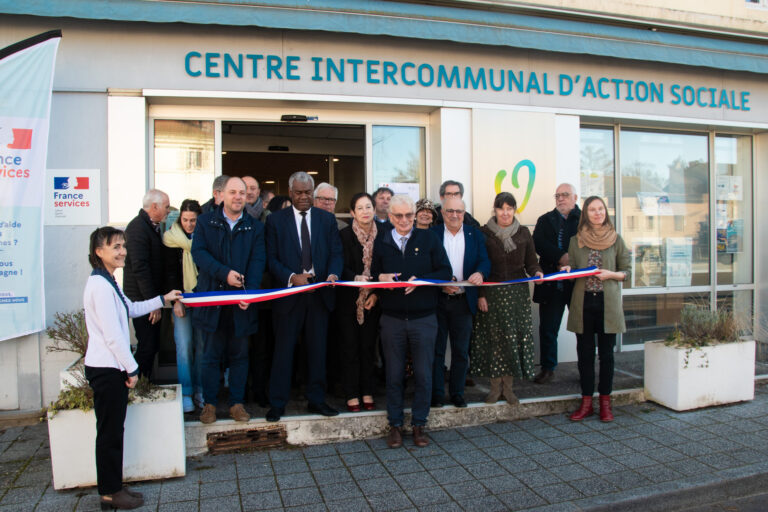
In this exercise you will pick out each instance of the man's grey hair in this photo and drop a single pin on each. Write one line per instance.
(219, 183)
(463, 204)
(451, 182)
(402, 199)
(153, 196)
(301, 177)
(573, 189)
(324, 186)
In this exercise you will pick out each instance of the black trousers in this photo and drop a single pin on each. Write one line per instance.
(110, 401)
(594, 327)
(148, 338)
(359, 351)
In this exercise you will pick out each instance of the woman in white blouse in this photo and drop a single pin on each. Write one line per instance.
(109, 365)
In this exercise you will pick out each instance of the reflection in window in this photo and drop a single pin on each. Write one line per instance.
(733, 208)
(597, 165)
(184, 159)
(653, 317)
(740, 302)
(665, 194)
(399, 160)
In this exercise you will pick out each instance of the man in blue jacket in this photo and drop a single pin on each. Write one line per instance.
(408, 315)
(304, 246)
(228, 249)
(465, 247)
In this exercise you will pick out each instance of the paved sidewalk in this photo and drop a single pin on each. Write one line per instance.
(546, 463)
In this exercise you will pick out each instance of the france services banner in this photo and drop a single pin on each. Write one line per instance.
(26, 79)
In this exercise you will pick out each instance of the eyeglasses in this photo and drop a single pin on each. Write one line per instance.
(326, 199)
(452, 194)
(400, 216)
(454, 212)
(564, 195)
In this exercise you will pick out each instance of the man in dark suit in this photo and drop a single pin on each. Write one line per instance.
(553, 232)
(144, 273)
(465, 247)
(408, 317)
(303, 246)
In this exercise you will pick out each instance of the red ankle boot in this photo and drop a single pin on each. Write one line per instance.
(585, 409)
(606, 414)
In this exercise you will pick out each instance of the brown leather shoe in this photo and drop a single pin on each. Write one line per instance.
(395, 437)
(544, 376)
(120, 500)
(420, 439)
(133, 493)
(237, 412)
(208, 415)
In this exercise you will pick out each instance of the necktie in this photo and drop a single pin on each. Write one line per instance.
(403, 242)
(306, 248)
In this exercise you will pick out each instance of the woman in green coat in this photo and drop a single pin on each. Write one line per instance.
(596, 309)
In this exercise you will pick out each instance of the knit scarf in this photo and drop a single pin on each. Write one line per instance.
(504, 234)
(598, 238)
(177, 238)
(366, 240)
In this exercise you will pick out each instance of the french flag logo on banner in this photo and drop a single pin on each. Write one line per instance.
(66, 183)
(22, 138)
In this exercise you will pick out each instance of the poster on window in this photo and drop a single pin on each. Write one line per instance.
(655, 203)
(679, 264)
(26, 78)
(729, 188)
(647, 263)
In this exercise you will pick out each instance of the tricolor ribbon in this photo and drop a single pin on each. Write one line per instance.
(236, 296)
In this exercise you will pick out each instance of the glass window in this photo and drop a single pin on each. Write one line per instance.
(184, 159)
(653, 317)
(399, 160)
(597, 166)
(733, 208)
(740, 302)
(665, 198)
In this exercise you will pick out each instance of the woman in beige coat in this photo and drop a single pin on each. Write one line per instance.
(596, 310)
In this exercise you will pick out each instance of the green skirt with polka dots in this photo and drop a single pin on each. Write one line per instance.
(502, 338)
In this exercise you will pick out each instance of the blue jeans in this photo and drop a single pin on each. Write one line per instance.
(550, 316)
(396, 336)
(189, 354)
(219, 345)
(455, 319)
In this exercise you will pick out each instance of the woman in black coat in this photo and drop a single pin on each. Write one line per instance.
(356, 307)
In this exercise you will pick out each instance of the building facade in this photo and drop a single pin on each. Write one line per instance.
(662, 111)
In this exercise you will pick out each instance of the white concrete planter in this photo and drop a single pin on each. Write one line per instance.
(154, 443)
(684, 379)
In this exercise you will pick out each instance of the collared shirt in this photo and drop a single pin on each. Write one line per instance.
(454, 247)
(232, 223)
(398, 238)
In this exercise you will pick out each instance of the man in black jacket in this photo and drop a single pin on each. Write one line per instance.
(408, 316)
(144, 272)
(553, 232)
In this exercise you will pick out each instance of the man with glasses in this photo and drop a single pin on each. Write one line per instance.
(455, 189)
(465, 246)
(408, 317)
(553, 232)
(326, 196)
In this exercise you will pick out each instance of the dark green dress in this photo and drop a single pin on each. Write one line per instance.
(502, 340)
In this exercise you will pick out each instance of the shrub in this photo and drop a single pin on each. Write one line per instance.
(700, 326)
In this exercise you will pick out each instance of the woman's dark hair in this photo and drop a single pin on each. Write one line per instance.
(276, 203)
(189, 205)
(99, 238)
(503, 198)
(357, 197)
(584, 219)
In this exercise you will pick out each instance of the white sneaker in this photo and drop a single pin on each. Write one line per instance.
(198, 399)
(189, 406)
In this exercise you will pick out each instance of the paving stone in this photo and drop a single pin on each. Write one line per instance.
(476, 431)
(581, 453)
(395, 500)
(290, 466)
(457, 445)
(500, 428)
(556, 419)
(315, 507)
(574, 428)
(570, 472)
(592, 438)
(486, 470)
(375, 486)
(359, 458)
(524, 498)
(748, 456)
(719, 461)
(563, 442)
(393, 454)
(545, 433)
(415, 480)
(171, 492)
(665, 454)
(332, 476)
(377, 445)
(353, 446)
(659, 473)
(61, 503)
(550, 459)
(259, 469)
(225, 504)
(515, 438)
(427, 496)
(404, 466)
(215, 489)
(594, 486)
(27, 495)
(340, 491)
(533, 447)
(441, 436)
(634, 460)
(519, 464)
(286, 454)
(426, 451)
(178, 506)
(295, 480)
(690, 467)
(626, 479)
(301, 497)
(368, 471)
(216, 474)
(483, 504)
(451, 475)
(503, 484)
(451, 506)
(437, 462)
(257, 485)
(462, 490)
(470, 457)
(558, 492)
(602, 466)
(537, 478)
(727, 445)
(325, 462)
(319, 450)
(488, 441)
(351, 505)
(262, 501)
(505, 451)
